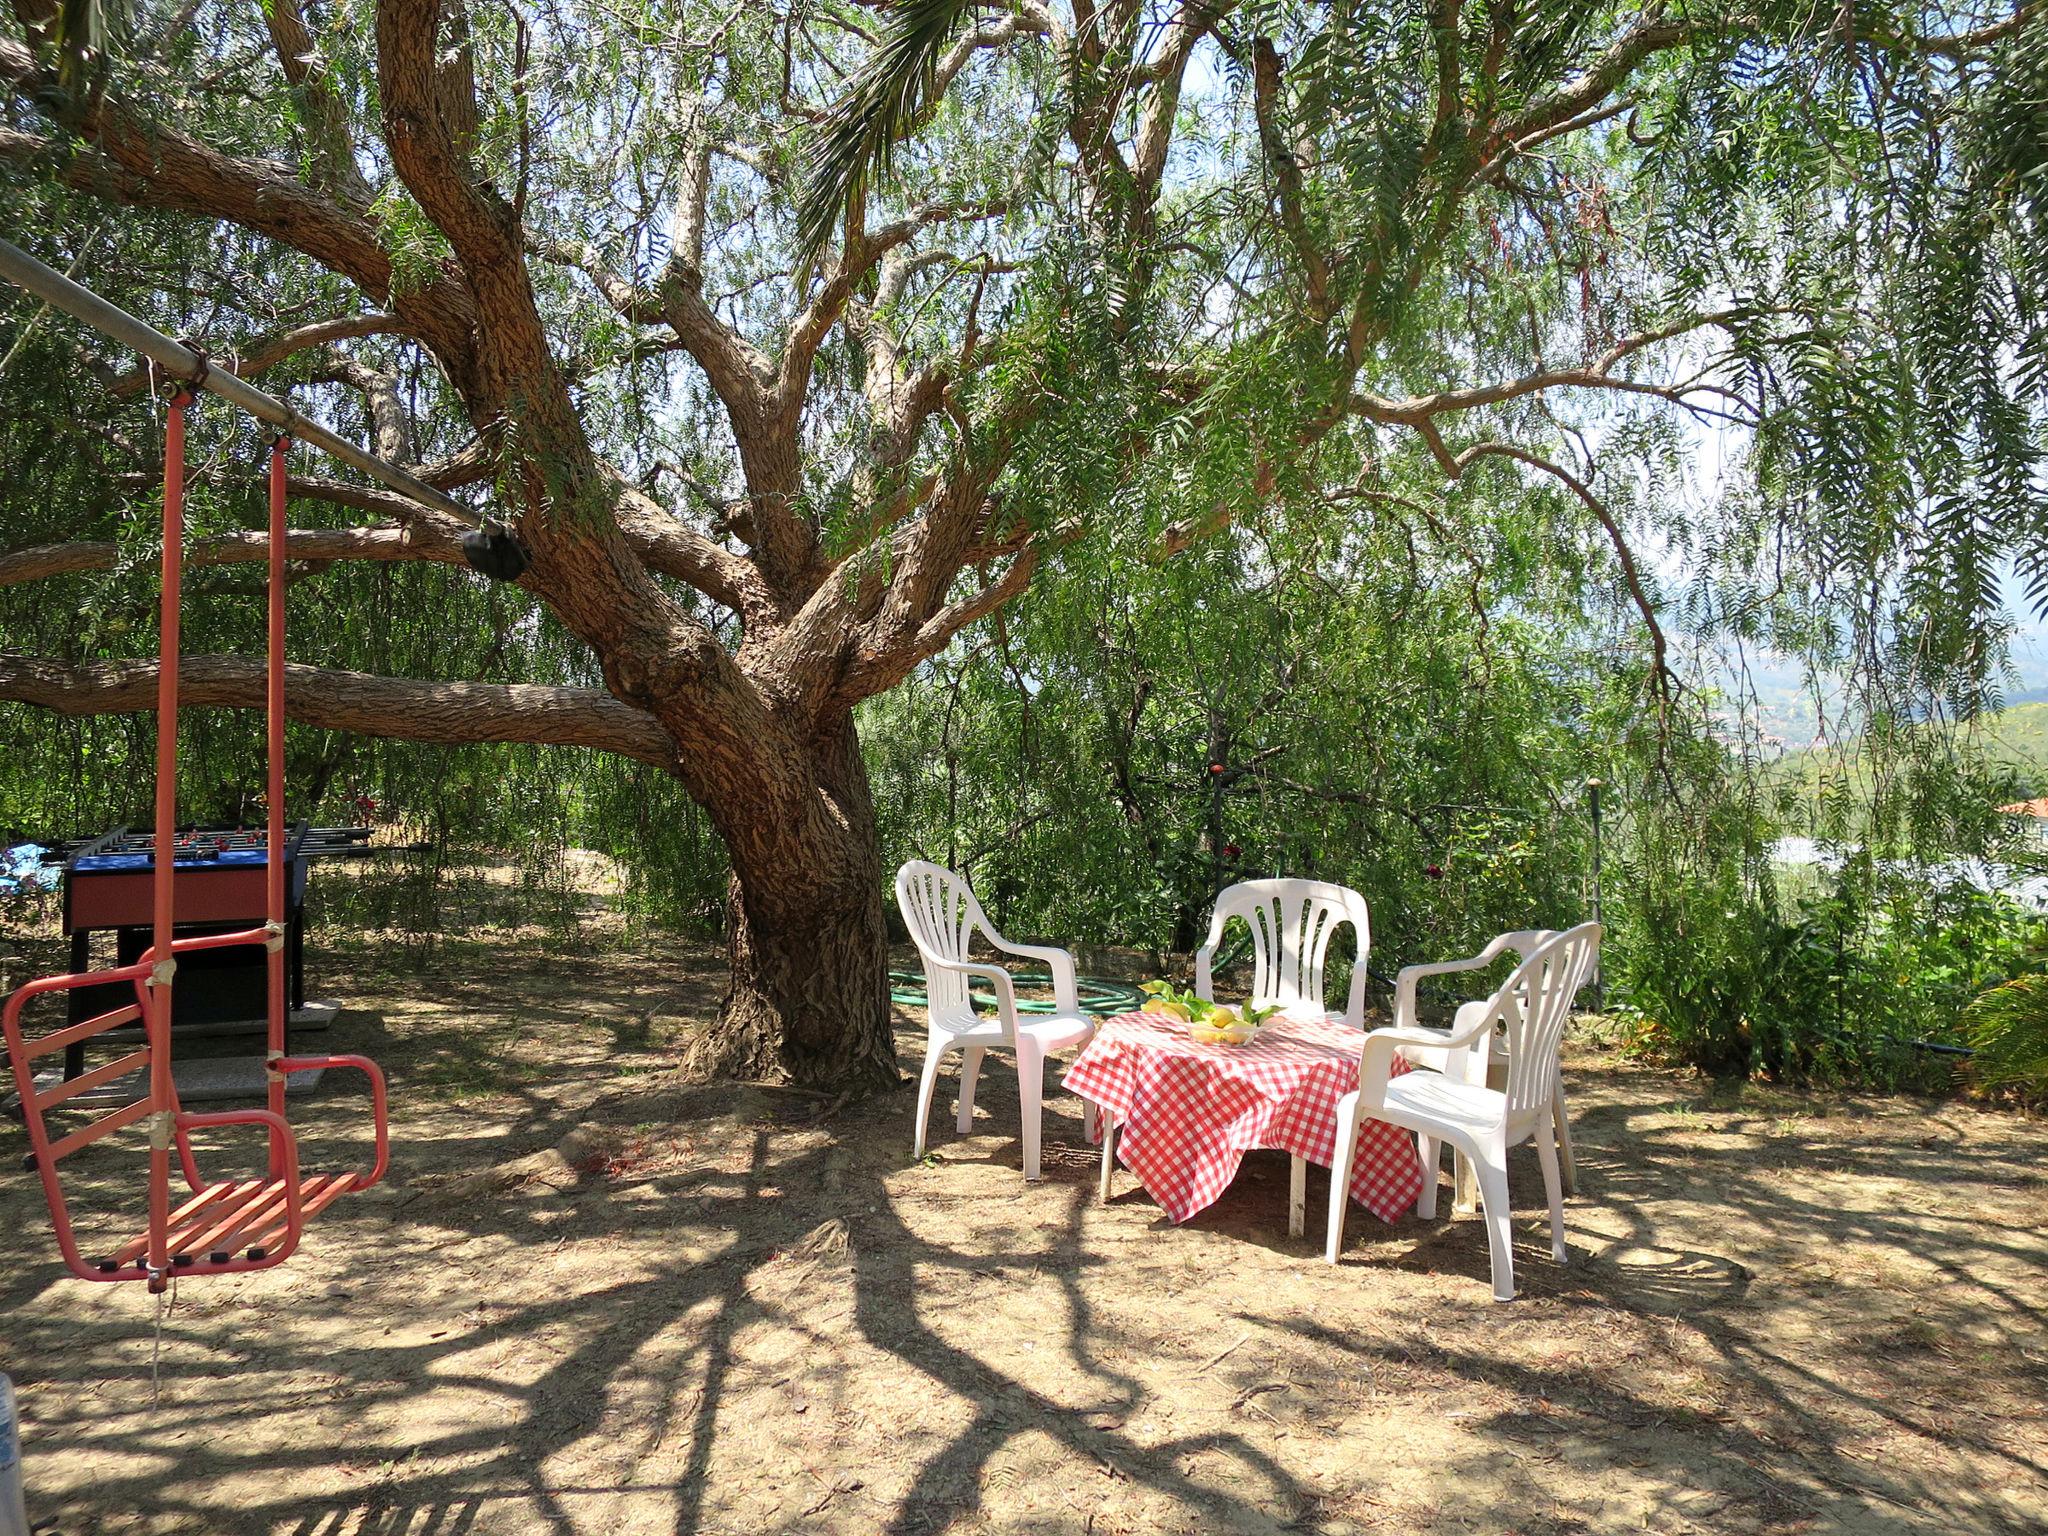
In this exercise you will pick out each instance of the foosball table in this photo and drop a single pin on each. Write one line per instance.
(220, 875)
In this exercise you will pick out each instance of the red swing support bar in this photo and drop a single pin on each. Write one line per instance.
(222, 1227)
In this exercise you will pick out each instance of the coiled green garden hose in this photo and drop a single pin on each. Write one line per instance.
(1099, 995)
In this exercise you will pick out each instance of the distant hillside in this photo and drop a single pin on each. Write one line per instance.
(2014, 739)
(2018, 736)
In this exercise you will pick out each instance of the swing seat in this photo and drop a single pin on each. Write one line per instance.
(232, 1226)
(223, 1226)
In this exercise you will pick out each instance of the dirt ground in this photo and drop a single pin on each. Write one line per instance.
(753, 1312)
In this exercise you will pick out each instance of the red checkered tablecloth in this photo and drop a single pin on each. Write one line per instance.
(1186, 1114)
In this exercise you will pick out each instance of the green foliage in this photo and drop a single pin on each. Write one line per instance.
(1373, 726)
(881, 105)
(1834, 986)
(2004, 754)
(2008, 1026)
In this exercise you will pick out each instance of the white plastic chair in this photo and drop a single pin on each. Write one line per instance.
(1534, 1003)
(943, 916)
(1522, 944)
(1292, 923)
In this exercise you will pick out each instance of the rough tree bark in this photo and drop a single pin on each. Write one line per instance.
(808, 989)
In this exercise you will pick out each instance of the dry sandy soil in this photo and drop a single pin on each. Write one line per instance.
(1782, 1313)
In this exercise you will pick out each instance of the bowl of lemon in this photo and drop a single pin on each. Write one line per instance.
(1208, 1023)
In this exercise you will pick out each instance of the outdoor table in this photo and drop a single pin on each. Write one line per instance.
(1185, 1114)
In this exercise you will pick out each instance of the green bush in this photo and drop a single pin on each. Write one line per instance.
(1834, 990)
(2008, 1026)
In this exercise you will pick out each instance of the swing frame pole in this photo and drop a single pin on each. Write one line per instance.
(162, 955)
(183, 363)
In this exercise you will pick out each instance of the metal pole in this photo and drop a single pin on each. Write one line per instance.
(181, 362)
(1599, 979)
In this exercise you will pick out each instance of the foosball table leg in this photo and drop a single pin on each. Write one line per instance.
(1108, 1124)
(1297, 1197)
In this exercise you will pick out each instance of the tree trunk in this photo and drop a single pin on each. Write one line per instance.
(807, 947)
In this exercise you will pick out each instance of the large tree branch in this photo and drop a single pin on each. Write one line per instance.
(428, 113)
(1190, 24)
(862, 253)
(1654, 31)
(738, 372)
(325, 115)
(1968, 43)
(1592, 117)
(401, 709)
(665, 543)
(672, 547)
(582, 564)
(139, 161)
(40, 562)
(1287, 179)
(390, 421)
(874, 669)
(901, 397)
(1631, 573)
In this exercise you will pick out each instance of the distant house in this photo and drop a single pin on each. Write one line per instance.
(2035, 812)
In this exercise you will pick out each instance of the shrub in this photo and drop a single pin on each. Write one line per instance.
(2008, 1026)
(1836, 989)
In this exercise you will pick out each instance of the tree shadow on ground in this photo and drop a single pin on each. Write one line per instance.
(774, 1321)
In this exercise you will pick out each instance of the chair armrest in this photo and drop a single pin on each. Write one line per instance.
(1005, 987)
(1522, 941)
(1376, 1060)
(1416, 1054)
(1066, 990)
(1434, 1039)
(379, 1119)
(1405, 982)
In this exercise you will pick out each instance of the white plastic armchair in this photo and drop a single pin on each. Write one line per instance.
(1534, 1004)
(1485, 1059)
(943, 917)
(1292, 923)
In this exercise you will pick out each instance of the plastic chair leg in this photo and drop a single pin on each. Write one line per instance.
(934, 1053)
(1340, 1174)
(1030, 1099)
(1493, 1197)
(1429, 1151)
(1563, 1125)
(970, 1072)
(1546, 1153)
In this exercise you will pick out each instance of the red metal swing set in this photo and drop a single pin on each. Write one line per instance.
(222, 1226)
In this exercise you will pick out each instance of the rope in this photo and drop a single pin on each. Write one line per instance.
(156, 1343)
